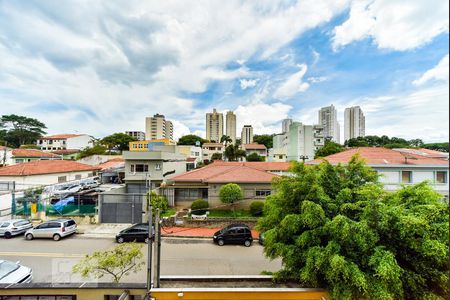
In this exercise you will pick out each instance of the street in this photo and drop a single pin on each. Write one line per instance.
(52, 261)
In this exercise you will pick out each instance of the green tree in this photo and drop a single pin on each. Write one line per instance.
(437, 146)
(225, 139)
(21, 130)
(29, 146)
(264, 139)
(254, 157)
(216, 156)
(329, 148)
(94, 150)
(233, 153)
(336, 228)
(117, 141)
(118, 262)
(230, 194)
(158, 201)
(191, 139)
(356, 142)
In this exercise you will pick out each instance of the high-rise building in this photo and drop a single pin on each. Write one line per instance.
(231, 126)
(138, 135)
(354, 123)
(303, 141)
(247, 135)
(157, 127)
(328, 119)
(214, 126)
(285, 125)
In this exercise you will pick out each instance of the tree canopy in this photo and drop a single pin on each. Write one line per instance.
(117, 141)
(230, 193)
(97, 149)
(233, 153)
(264, 139)
(254, 157)
(336, 228)
(20, 130)
(437, 146)
(329, 148)
(191, 139)
(383, 141)
(216, 156)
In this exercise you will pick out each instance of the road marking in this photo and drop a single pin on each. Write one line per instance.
(37, 254)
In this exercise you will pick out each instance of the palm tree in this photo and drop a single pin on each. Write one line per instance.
(225, 139)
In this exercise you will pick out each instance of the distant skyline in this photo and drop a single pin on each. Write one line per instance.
(99, 67)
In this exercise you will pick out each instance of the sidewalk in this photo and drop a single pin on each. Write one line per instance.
(111, 230)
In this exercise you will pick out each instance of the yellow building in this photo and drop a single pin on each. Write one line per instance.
(144, 146)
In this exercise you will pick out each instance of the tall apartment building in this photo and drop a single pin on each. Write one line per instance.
(328, 119)
(354, 123)
(157, 127)
(303, 141)
(231, 126)
(285, 125)
(247, 134)
(138, 135)
(214, 126)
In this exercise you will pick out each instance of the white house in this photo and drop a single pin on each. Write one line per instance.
(398, 167)
(65, 142)
(259, 149)
(209, 149)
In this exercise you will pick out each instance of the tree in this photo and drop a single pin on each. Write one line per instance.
(254, 157)
(328, 149)
(233, 153)
(356, 142)
(437, 146)
(95, 150)
(191, 139)
(225, 139)
(21, 130)
(230, 194)
(216, 156)
(336, 228)
(118, 262)
(29, 146)
(264, 139)
(158, 202)
(117, 141)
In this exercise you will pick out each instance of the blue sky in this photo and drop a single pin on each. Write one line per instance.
(101, 67)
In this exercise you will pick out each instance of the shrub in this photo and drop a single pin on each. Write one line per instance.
(256, 208)
(199, 207)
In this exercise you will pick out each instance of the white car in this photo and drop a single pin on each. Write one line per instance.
(54, 229)
(14, 272)
(70, 189)
(13, 227)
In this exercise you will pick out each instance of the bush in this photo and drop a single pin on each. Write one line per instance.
(199, 207)
(256, 208)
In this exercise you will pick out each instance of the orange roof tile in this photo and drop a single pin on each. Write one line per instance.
(380, 156)
(213, 145)
(423, 152)
(261, 165)
(65, 151)
(39, 167)
(254, 146)
(31, 153)
(115, 162)
(60, 136)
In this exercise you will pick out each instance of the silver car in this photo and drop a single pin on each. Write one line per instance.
(13, 227)
(54, 229)
(13, 272)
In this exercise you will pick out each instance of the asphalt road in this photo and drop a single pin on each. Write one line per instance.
(52, 261)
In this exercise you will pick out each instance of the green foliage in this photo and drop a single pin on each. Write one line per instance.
(29, 146)
(216, 156)
(199, 207)
(117, 141)
(394, 142)
(158, 201)
(230, 193)
(191, 139)
(336, 228)
(437, 146)
(233, 153)
(254, 157)
(95, 150)
(225, 139)
(20, 130)
(264, 139)
(118, 262)
(256, 208)
(328, 149)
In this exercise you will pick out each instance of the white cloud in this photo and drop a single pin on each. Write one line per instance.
(393, 24)
(439, 72)
(293, 84)
(247, 83)
(317, 79)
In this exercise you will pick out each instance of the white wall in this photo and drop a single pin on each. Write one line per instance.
(94, 160)
(79, 142)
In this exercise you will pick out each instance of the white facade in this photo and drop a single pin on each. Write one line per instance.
(139, 135)
(231, 126)
(65, 142)
(6, 157)
(25, 182)
(247, 135)
(354, 123)
(208, 149)
(214, 126)
(328, 119)
(303, 141)
(285, 125)
(157, 127)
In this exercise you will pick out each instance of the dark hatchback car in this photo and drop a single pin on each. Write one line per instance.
(234, 234)
(137, 232)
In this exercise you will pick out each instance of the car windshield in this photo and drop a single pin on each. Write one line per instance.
(7, 268)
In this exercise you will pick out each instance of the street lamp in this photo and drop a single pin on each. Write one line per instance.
(303, 158)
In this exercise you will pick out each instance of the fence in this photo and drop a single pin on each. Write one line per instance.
(121, 208)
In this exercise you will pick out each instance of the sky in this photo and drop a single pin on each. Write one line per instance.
(100, 67)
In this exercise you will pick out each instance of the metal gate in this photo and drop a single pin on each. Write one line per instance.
(121, 208)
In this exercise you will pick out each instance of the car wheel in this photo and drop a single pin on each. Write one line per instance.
(120, 240)
(220, 242)
(29, 236)
(247, 243)
(7, 235)
(56, 237)
(146, 240)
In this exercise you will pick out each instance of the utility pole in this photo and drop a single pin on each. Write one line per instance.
(157, 249)
(150, 242)
(4, 154)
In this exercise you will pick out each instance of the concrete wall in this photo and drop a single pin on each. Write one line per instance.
(25, 182)
(94, 160)
(79, 142)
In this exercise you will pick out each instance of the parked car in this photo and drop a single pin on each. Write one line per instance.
(54, 229)
(70, 189)
(13, 227)
(137, 232)
(14, 272)
(87, 185)
(234, 234)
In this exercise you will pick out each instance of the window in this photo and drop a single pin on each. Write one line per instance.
(50, 142)
(158, 167)
(262, 193)
(77, 177)
(19, 161)
(134, 146)
(132, 168)
(54, 225)
(62, 179)
(5, 225)
(441, 177)
(141, 168)
(406, 176)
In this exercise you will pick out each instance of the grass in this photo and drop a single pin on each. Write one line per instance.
(239, 213)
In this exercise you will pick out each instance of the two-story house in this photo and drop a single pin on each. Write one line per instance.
(65, 142)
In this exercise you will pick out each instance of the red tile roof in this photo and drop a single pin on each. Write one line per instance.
(65, 151)
(261, 165)
(39, 167)
(254, 146)
(213, 145)
(115, 162)
(32, 153)
(380, 156)
(60, 136)
(424, 152)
